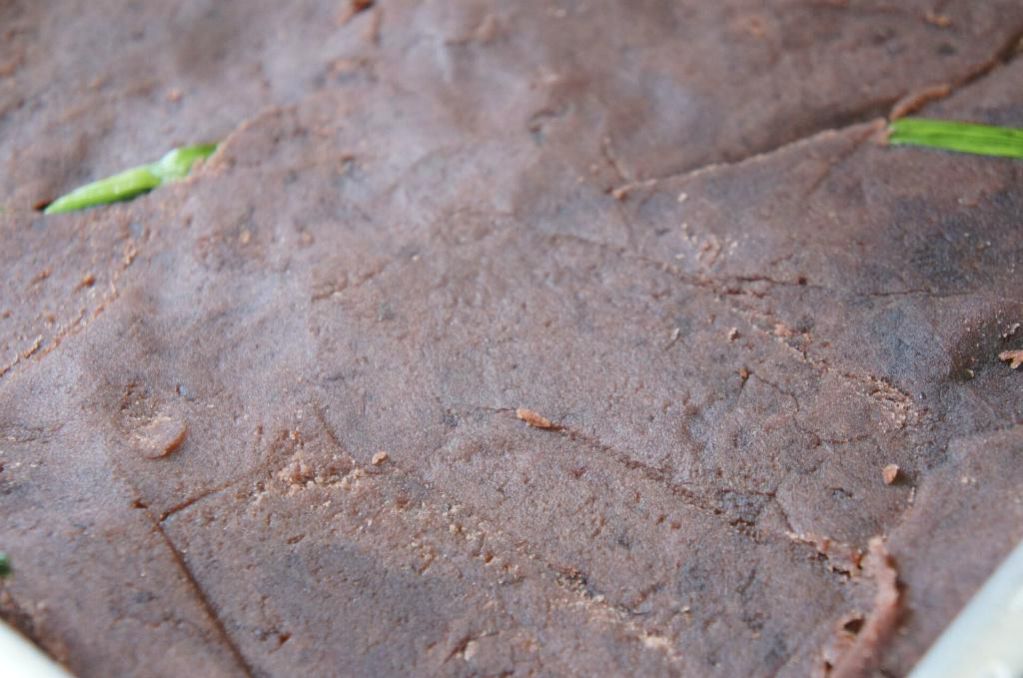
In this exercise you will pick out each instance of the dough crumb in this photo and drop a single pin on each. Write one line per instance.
(890, 473)
(1014, 358)
(782, 330)
(939, 20)
(535, 420)
(840, 557)
(161, 436)
(379, 458)
(621, 193)
(733, 334)
(656, 642)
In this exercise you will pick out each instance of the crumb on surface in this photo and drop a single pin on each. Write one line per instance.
(533, 419)
(782, 330)
(160, 437)
(622, 192)
(379, 458)
(890, 473)
(939, 20)
(676, 334)
(1014, 358)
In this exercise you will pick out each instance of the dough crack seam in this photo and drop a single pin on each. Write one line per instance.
(203, 599)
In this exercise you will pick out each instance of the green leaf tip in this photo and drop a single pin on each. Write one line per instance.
(126, 185)
(5, 565)
(962, 137)
(178, 163)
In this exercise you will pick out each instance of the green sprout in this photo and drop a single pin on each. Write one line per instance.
(964, 137)
(130, 183)
(5, 565)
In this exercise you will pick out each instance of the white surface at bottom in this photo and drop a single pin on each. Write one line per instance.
(986, 639)
(19, 658)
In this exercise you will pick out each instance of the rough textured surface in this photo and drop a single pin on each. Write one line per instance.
(635, 417)
(88, 87)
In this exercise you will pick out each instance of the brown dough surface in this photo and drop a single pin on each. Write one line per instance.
(626, 431)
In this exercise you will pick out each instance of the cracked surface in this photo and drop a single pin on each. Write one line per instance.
(635, 417)
(664, 88)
